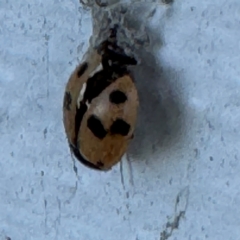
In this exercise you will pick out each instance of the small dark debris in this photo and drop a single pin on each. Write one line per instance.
(152, 13)
(211, 158)
(45, 133)
(45, 203)
(75, 169)
(196, 151)
(210, 125)
(167, 1)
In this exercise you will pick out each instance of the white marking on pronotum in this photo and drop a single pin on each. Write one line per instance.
(97, 69)
(81, 94)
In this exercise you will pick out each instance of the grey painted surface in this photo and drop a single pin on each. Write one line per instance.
(184, 162)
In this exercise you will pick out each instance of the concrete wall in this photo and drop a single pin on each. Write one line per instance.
(181, 180)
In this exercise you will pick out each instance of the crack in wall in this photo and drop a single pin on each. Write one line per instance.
(129, 172)
(122, 176)
(180, 210)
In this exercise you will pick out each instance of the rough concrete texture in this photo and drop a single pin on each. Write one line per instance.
(181, 180)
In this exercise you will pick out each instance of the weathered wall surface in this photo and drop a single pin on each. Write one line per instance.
(182, 179)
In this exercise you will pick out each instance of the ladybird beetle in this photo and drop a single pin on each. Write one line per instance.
(100, 105)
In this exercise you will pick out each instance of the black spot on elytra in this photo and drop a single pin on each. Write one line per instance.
(79, 116)
(117, 97)
(67, 101)
(82, 69)
(95, 125)
(81, 159)
(120, 127)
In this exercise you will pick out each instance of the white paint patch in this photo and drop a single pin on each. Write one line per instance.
(97, 69)
(81, 94)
